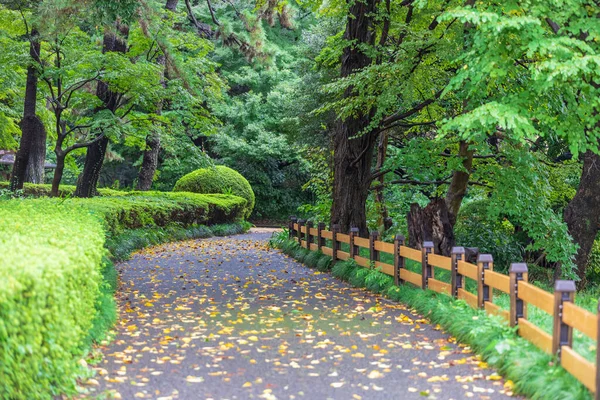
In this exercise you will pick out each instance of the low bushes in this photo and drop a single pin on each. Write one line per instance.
(56, 284)
(219, 179)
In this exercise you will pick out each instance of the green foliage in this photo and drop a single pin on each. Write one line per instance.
(122, 245)
(43, 190)
(475, 228)
(593, 268)
(105, 307)
(219, 179)
(50, 280)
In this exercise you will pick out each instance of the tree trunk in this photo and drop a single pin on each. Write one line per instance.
(58, 174)
(431, 223)
(37, 157)
(149, 163)
(150, 159)
(172, 5)
(384, 222)
(582, 214)
(353, 155)
(31, 125)
(460, 181)
(436, 221)
(94, 158)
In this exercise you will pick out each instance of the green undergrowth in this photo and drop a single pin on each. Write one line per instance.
(105, 306)
(43, 190)
(57, 278)
(122, 245)
(534, 373)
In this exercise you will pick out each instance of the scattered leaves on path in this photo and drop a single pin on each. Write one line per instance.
(223, 317)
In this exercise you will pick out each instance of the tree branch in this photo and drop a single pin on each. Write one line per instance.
(396, 117)
(85, 144)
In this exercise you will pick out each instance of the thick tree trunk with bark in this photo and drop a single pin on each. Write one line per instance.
(88, 179)
(353, 155)
(431, 223)
(31, 125)
(582, 214)
(37, 157)
(149, 163)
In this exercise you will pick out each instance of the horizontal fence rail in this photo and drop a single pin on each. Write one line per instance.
(560, 304)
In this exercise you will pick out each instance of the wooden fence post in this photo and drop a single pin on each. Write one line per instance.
(562, 334)
(398, 259)
(293, 220)
(309, 225)
(484, 292)
(320, 238)
(335, 228)
(300, 224)
(373, 254)
(518, 309)
(456, 279)
(427, 270)
(353, 249)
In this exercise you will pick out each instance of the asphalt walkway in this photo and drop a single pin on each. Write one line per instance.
(229, 318)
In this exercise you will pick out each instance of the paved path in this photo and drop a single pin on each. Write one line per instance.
(231, 319)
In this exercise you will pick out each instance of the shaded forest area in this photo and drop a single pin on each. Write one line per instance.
(454, 121)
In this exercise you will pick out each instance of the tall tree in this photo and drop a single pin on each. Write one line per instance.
(152, 150)
(114, 41)
(32, 128)
(353, 141)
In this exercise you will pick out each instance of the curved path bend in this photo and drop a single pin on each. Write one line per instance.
(229, 318)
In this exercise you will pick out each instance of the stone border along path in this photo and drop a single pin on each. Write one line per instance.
(228, 318)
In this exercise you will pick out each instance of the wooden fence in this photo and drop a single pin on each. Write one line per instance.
(560, 305)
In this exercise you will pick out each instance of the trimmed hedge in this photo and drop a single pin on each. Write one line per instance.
(56, 285)
(220, 179)
(49, 281)
(143, 209)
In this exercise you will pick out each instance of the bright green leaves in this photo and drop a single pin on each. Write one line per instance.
(515, 52)
(487, 119)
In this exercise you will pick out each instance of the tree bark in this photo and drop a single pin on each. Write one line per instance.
(58, 174)
(37, 157)
(353, 148)
(431, 223)
(582, 214)
(31, 125)
(149, 162)
(460, 181)
(88, 179)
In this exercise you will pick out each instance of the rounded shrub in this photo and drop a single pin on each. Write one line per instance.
(219, 179)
